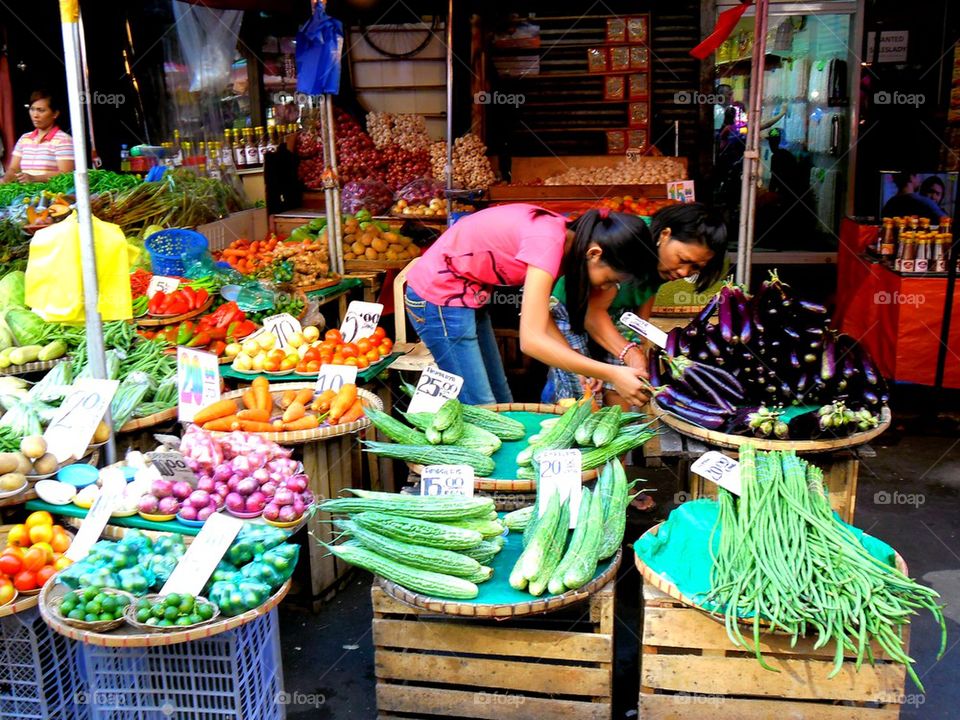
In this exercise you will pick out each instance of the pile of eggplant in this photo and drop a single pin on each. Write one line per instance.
(770, 366)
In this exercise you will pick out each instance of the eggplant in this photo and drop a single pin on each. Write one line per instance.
(653, 366)
(708, 310)
(727, 330)
(673, 338)
(706, 390)
(812, 307)
(794, 360)
(745, 319)
(713, 348)
(683, 344)
(706, 420)
(702, 355)
(828, 361)
(868, 368)
(792, 333)
(849, 366)
(692, 330)
(691, 402)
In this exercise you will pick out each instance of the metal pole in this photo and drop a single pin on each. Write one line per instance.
(328, 189)
(85, 67)
(676, 138)
(69, 16)
(449, 168)
(337, 257)
(751, 155)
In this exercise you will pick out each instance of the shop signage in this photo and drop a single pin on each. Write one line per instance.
(111, 494)
(892, 48)
(682, 191)
(361, 320)
(645, 329)
(198, 381)
(718, 468)
(434, 388)
(447, 480)
(334, 377)
(160, 283)
(207, 549)
(72, 428)
(561, 472)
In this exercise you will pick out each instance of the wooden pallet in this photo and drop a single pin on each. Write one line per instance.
(689, 668)
(557, 665)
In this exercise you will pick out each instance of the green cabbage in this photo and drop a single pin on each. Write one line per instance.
(27, 327)
(12, 290)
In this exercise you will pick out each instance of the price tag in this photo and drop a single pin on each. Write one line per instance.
(719, 468)
(361, 320)
(172, 466)
(645, 329)
(334, 377)
(200, 559)
(111, 495)
(561, 472)
(161, 283)
(284, 326)
(72, 427)
(198, 381)
(682, 190)
(447, 480)
(434, 388)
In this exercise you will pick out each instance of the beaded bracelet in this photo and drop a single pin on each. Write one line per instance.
(626, 349)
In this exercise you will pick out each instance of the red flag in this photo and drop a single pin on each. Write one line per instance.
(725, 24)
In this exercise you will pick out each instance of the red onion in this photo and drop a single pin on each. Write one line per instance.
(204, 513)
(256, 502)
(235, 502)
(218, 500)
(299, 507)
(297, 483)
(182, 490)
(247, 486)
(148, 504)
(188, 512)
(233, 481)
(205, 482)
(271, 511)
(268, 488)
(199, 498)
(223, 472)
(221, 488)
(307, 497)
(283, 496)
(261, 475)
(168, 506)
(161, 488)
(287, 514)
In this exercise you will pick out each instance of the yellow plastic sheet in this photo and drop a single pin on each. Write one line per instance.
(54, 283)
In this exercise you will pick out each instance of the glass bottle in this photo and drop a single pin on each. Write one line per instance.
(124, 159)
(226, 150)
(239, 151)
(177, 150)
(908, 242)
(250, 148)
(922, 262)
(888, 239)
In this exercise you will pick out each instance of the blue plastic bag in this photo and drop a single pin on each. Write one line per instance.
(319, 48)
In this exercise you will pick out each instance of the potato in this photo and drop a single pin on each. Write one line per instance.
(33, 446)
(380, 245)
(370, 254)
(391, 237)
(24, 465)
(8, 462)
(102, 433)
(349, 256)
(12, 481)
(366, 239)
(395, 247)
(358, 248)
(390, 255)
(45, 465)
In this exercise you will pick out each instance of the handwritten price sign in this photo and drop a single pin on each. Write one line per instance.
(160, 283)
(198, 381)
(198, 562)
(111, 494)
(645, 329)
(434, 388)
(561, 472)
(719, 468)
(334, 377)
(172, 466)
(361, 320)
(72, 428)
(682, 190)
(447, 480)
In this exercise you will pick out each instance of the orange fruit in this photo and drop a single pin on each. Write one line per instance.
(10, 564)
(333, 335)
(17, 537)
(25, 581)
(46, 548)
(40, 517)
(34, 559)
(362, 362)
(7, 592)
(60, 542)
(40, 534)
(351, 361)
(45, 573)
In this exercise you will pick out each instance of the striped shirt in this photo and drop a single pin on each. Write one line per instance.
(39, 155)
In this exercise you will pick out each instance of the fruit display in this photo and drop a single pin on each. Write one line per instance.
(370, 195)
(173, 611)
(182, 300)
(771, 366)
(636, 206)
(166, 498)
(436, 207)
(212, 332)
(374, 240)
(46, 208)
(34, 552)
(257, 353)
(642, 171)
(310, 260)
(407, 131)
(93, 606)
(24, 354)
(332, 350)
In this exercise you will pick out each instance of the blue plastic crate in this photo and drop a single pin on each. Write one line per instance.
(236, 675)
(171, 251)
(39, 673)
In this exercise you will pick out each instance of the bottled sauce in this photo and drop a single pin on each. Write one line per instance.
(250, 149)
(922, 262)
(124, 159)
(177, 150)
(908, 251)
(226, 150)
(213, 160)
(186, 153)
(888, 239)
(941, 248)
(239, 151)
(261, 144)
(167, 154)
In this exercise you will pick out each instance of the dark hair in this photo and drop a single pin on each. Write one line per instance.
(626, 245)
(695, 223)
(928, 184)
(902, 178)
(45, 95)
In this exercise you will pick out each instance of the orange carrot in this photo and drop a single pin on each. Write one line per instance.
(257, 415)
(254, 426)
(305, 396)
(322, 403)
(307, 422)
(288, 397)
(223, 424)
(219, 409)
(342, 402)
(261, 390)
(249, 400)
(354, 413)
(294, 412)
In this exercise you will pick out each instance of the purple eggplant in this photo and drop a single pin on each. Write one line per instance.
(653, 366)
(869, 369)
(727, 330)
(792, 333)
(849, 366)
(708, 310)
(828, 361)
(712, 347)
(706, 420)
(683, 344)
(794, 360)
(673, 338)
(691, 402)
(812, 307)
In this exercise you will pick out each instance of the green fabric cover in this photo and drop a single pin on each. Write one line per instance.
(506, 457)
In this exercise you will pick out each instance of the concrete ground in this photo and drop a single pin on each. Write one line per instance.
(907, 496)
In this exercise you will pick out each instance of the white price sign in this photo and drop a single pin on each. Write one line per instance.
(434, 388)
(447, 480)
(682, 190)
(161, 283)
(719, 468)
(198, 381)
(645, 329)
(172, 466)
(111, 495)
(200, 559)
(73, 426)
(561, 472)
(334, 377)
(361, 320)
(284, 326)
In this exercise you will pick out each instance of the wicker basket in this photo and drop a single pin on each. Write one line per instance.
(130, 615)
(99, 626)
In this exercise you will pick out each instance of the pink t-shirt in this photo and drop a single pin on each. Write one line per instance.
(485, 249)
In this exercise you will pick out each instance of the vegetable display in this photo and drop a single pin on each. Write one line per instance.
(768, 354)
(34, 553)
(182, 300)
(783, 559)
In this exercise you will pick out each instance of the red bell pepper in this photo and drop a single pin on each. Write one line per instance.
(200, 296)
(242, 329)
(190, 296)
(215, 333)
(156, 302)
(178, 305)
(217, 347)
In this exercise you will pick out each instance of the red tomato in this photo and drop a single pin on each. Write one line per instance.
(349, 350)
(45, 573)
(362, 361)
(351, 361)
(372, 356)
(25, 581)
(333, 335)
(10, 564)
(363, 345)
(379, 333)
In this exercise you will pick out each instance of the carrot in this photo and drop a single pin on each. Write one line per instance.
(254, 426)
(307, 422)
(223, 424)
(219, 409)
(257, 415)
(261, 390)
(354, 413)
(249, 400)
(322, 403)
(305, 396)
(294, 412)
(288, 397)
(342, 402)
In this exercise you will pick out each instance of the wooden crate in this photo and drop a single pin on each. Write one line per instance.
(558, 665)
(690, 669)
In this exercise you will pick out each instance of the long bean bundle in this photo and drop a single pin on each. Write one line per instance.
(784, 561)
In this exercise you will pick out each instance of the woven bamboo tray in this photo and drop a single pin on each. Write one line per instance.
(667, 587)
(127, 636)
(149, 420)
(99, 626)
(514, 484)
(159, 321)
(464, 608)
(733, 442)
(299, 437)
(32, 367)
(130, 616)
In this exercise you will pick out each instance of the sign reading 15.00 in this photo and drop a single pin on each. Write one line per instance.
(198, 381)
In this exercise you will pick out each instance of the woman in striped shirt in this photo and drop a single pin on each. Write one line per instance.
(45, 152)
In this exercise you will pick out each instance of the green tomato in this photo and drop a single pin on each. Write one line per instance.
(90, 617)
(122, 600)
(76, 614)
(143, 603)
(171, 613)
(106, 617)
(186, 605)
(144, 615)
(205, 611)
(172, 600)
(71, 597)
(152, 621)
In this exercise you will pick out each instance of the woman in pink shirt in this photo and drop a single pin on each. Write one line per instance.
(46, 151)
(523, 246)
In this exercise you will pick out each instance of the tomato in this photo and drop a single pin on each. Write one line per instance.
(40, 517)
(362, 362)
(10, 564)
(337, 360)
(46, 548)
(333, 335)
(15, 551)
(7, 592)
(379, 333)
(271, 366)
(25, 581)
(17, 537)
(327, 347)
(313, 366)
(351, 361)
(387, 343)
(40, 533)
(326, 359)
(383, 350)
(372, 356)
(349, 350)
(374, 341)
(45, 573)
(363, 345)
(34, 559)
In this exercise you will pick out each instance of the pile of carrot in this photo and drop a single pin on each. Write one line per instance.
(247, 257)
(298, 410)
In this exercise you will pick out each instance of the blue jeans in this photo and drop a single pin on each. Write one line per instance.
(461, 341)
